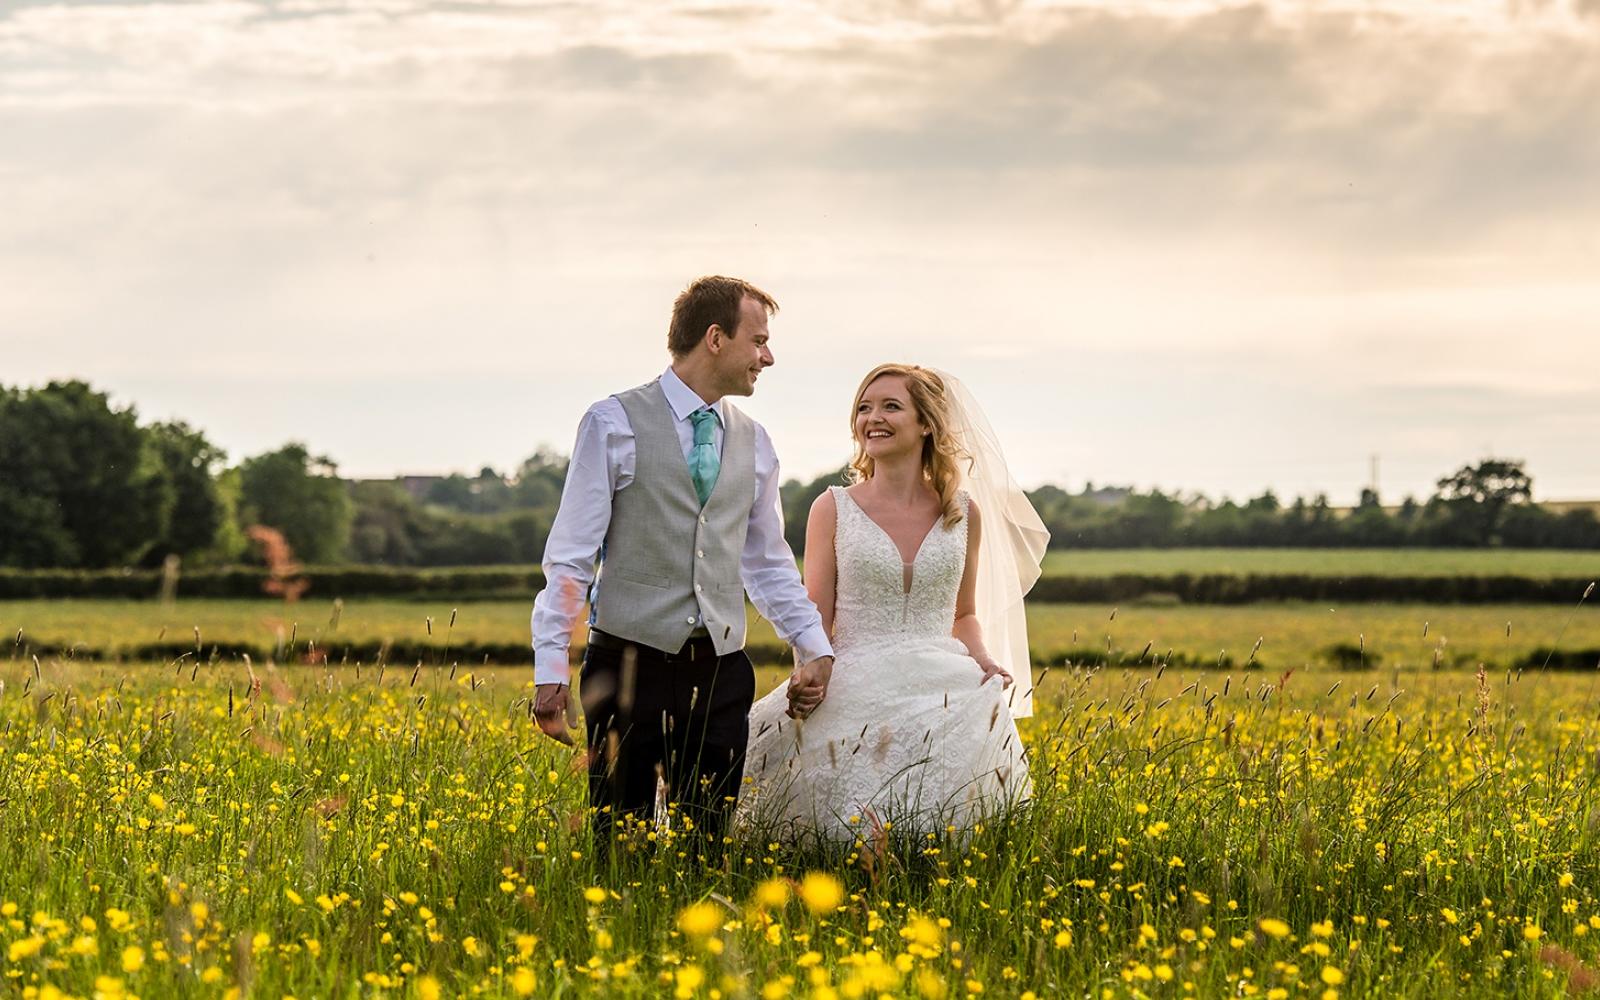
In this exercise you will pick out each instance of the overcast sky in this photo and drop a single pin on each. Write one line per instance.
(1204, 246)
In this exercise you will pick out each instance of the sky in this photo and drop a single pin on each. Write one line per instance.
(1201, 246)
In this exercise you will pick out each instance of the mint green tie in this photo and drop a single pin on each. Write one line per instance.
(704, 462)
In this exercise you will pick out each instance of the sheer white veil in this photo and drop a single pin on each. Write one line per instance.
(1012, 545)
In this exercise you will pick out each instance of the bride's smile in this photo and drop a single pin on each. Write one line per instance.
(886, 423)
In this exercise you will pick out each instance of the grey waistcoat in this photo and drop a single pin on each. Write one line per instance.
(668, 563)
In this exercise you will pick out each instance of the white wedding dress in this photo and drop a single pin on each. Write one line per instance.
(906, 737)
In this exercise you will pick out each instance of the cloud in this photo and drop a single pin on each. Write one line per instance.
(1279, 199)
(1401, 132)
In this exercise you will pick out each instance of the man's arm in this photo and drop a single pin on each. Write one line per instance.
(809, 684)
(570, 553)
(773, 580)
(770, 575)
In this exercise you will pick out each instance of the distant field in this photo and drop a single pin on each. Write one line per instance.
(104, 623)
(1292, 634)
(1327, 562)
(1300, 634)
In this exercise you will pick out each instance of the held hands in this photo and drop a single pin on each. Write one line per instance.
(550, 710)
(993, 669)
(808, 686)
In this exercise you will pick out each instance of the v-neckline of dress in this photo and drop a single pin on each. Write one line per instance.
(908, 569)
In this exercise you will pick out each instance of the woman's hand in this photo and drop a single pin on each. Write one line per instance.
(992, 669)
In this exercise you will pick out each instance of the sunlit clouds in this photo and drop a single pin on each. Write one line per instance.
(1204, 246)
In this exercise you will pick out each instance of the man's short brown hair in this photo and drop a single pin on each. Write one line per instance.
(713, 300)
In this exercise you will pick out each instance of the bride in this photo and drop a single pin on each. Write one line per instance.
(918, 568)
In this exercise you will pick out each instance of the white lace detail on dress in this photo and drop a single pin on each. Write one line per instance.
(871, 604)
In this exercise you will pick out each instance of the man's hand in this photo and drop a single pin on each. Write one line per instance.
(550, 711)
(808, 686)
(991, 669)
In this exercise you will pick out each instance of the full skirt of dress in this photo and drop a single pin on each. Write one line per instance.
(906, 739)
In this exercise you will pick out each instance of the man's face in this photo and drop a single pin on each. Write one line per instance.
(745, 353)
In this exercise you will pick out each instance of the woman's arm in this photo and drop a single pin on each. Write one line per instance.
(808, 685)
(821, 569)
(967, 628)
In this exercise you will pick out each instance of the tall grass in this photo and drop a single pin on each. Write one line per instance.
(184, 830)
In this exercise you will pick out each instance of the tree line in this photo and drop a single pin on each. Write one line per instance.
(1485, 504)
(85, 485)
(1482, 505)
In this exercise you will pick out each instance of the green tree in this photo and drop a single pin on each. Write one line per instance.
(80, 486)
(1145, 520)
(388, 525)
(301, 496)
(796, 498)
(1370, 526)
(486, 493)
(538, 482)
(189, 463)
(529, 530)
(1476, 499)
(466, 540)
(230, 544)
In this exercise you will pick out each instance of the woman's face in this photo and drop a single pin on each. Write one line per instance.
(887, 424)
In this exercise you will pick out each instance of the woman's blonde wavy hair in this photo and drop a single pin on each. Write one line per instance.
(940, 453)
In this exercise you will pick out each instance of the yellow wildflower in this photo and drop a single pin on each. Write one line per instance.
(771, 894)
(821, 893)
(689, 979)
(25, 948)
(700, 919)
(1273, 927)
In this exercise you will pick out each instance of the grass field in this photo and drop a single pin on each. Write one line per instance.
(1327, 562)
(1292, 635)
(1193, 834)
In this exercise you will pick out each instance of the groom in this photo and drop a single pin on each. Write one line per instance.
(673, 493)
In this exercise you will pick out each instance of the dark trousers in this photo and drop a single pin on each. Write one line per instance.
(682, 716)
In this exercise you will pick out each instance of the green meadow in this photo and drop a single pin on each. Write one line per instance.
(305, 832)
(1290, 635)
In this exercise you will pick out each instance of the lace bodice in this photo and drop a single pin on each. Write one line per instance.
(871, 602)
